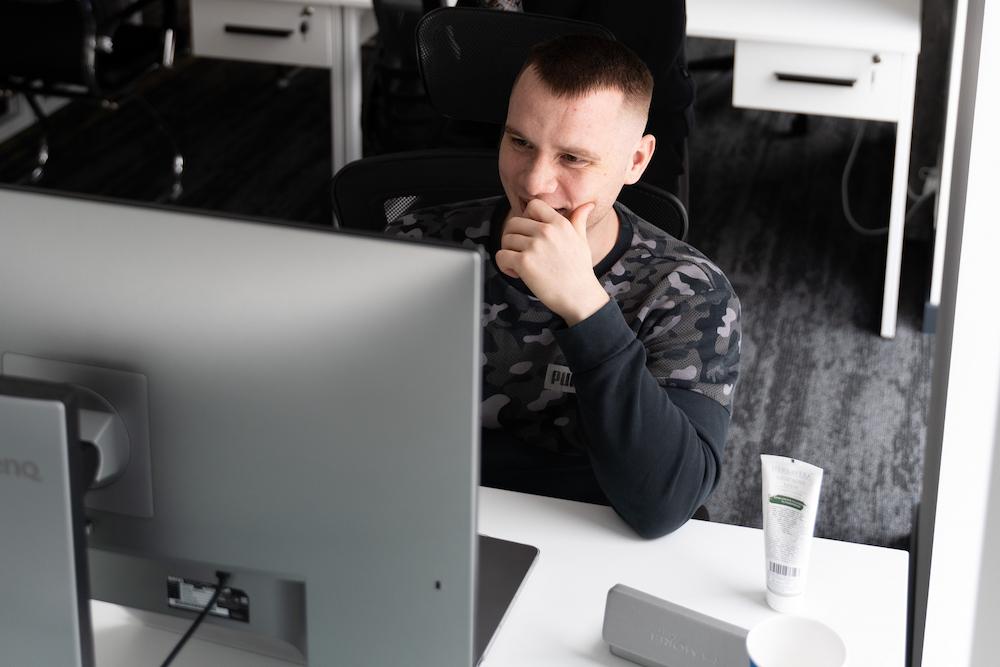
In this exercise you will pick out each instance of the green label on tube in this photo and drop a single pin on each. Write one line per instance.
(788, 502)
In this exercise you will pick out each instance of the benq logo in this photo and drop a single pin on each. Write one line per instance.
(20, 469)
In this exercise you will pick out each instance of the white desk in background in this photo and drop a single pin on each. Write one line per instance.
(867, 52)
(873, 43)
(584, 550)
(319, 33)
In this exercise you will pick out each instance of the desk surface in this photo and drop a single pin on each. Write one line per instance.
(713, 568)
(584, 550)
(892, 25)
(884, 25)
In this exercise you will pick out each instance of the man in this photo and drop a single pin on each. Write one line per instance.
(610, 348)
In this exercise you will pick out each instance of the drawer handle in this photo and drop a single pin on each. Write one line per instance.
(258, 32)
(808, 78)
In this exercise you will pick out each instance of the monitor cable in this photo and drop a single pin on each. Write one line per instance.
(918, 200)
(220, 582)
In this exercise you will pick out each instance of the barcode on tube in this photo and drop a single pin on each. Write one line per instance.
(783, 570)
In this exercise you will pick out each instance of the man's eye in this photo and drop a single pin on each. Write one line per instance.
(519, 142)
(572, 159)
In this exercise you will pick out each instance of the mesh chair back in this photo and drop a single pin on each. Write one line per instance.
(370, 193)
(657, 206)
(470, 57)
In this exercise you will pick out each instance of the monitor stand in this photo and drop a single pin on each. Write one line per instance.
(44, 472)
(502, 569)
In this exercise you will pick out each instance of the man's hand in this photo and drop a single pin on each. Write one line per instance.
(551, 255)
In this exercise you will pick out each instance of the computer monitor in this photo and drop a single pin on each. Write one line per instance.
(301, 409)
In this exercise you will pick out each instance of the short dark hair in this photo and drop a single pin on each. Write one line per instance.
(574, 65)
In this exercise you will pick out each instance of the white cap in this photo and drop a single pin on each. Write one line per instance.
(786, 604)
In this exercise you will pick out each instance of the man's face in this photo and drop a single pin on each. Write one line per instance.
(570, 151)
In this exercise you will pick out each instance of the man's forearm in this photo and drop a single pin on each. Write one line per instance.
(655, 452)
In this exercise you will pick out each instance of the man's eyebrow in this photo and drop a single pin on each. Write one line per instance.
(510, 130)
(579, 152)
(572, 150)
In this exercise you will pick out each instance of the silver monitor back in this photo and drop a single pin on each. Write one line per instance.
(302, 408)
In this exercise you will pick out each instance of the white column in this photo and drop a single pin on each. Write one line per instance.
(957, 597)
(948, 151)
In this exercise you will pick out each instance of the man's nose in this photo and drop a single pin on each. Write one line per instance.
(539, 178)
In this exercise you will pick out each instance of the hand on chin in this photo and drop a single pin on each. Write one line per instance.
(550, 253)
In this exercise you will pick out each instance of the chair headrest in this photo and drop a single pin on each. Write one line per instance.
(469, 57)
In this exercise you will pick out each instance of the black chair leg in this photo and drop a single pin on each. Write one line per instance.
(800, 125)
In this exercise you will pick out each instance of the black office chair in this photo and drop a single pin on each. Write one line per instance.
(656, 32)
(397, 115)
(370, 193)
(469, 59)
(87, 50)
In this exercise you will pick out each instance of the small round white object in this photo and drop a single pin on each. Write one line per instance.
(795, 641)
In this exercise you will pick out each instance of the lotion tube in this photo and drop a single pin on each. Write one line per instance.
(790, 496)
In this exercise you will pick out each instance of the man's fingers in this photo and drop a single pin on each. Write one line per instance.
(539, 210)
(580, 216)
(505, 260)
(516, 242)
(524, 226)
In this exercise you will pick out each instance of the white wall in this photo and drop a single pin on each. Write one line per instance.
(959, 532)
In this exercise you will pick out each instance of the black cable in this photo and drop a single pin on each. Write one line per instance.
(844, 198)
(220, 582)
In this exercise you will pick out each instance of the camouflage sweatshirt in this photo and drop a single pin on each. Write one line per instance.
(630, 406)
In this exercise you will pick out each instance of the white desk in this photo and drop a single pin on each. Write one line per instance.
(875, 42)
(585, 550)
(319, 33)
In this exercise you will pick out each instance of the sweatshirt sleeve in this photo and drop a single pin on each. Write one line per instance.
(655, 444)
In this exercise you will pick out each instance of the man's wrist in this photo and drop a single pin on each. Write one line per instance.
(585, 306)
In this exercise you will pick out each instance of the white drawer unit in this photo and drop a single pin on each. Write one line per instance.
(277, 32)
(817, 80)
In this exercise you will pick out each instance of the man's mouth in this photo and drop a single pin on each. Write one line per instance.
(564, 212)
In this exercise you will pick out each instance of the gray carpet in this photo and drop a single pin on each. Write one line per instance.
(817, 383)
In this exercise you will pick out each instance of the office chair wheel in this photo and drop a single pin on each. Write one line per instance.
(175, 192)
(43, 156)
(177, 187)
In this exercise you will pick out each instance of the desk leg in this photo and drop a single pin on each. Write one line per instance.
(897, 210)
(345, 85)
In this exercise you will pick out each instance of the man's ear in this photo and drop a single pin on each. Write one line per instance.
(641, 155)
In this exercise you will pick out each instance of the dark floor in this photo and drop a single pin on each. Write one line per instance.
(818, 383)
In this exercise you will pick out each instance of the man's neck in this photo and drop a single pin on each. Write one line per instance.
(603, 236)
